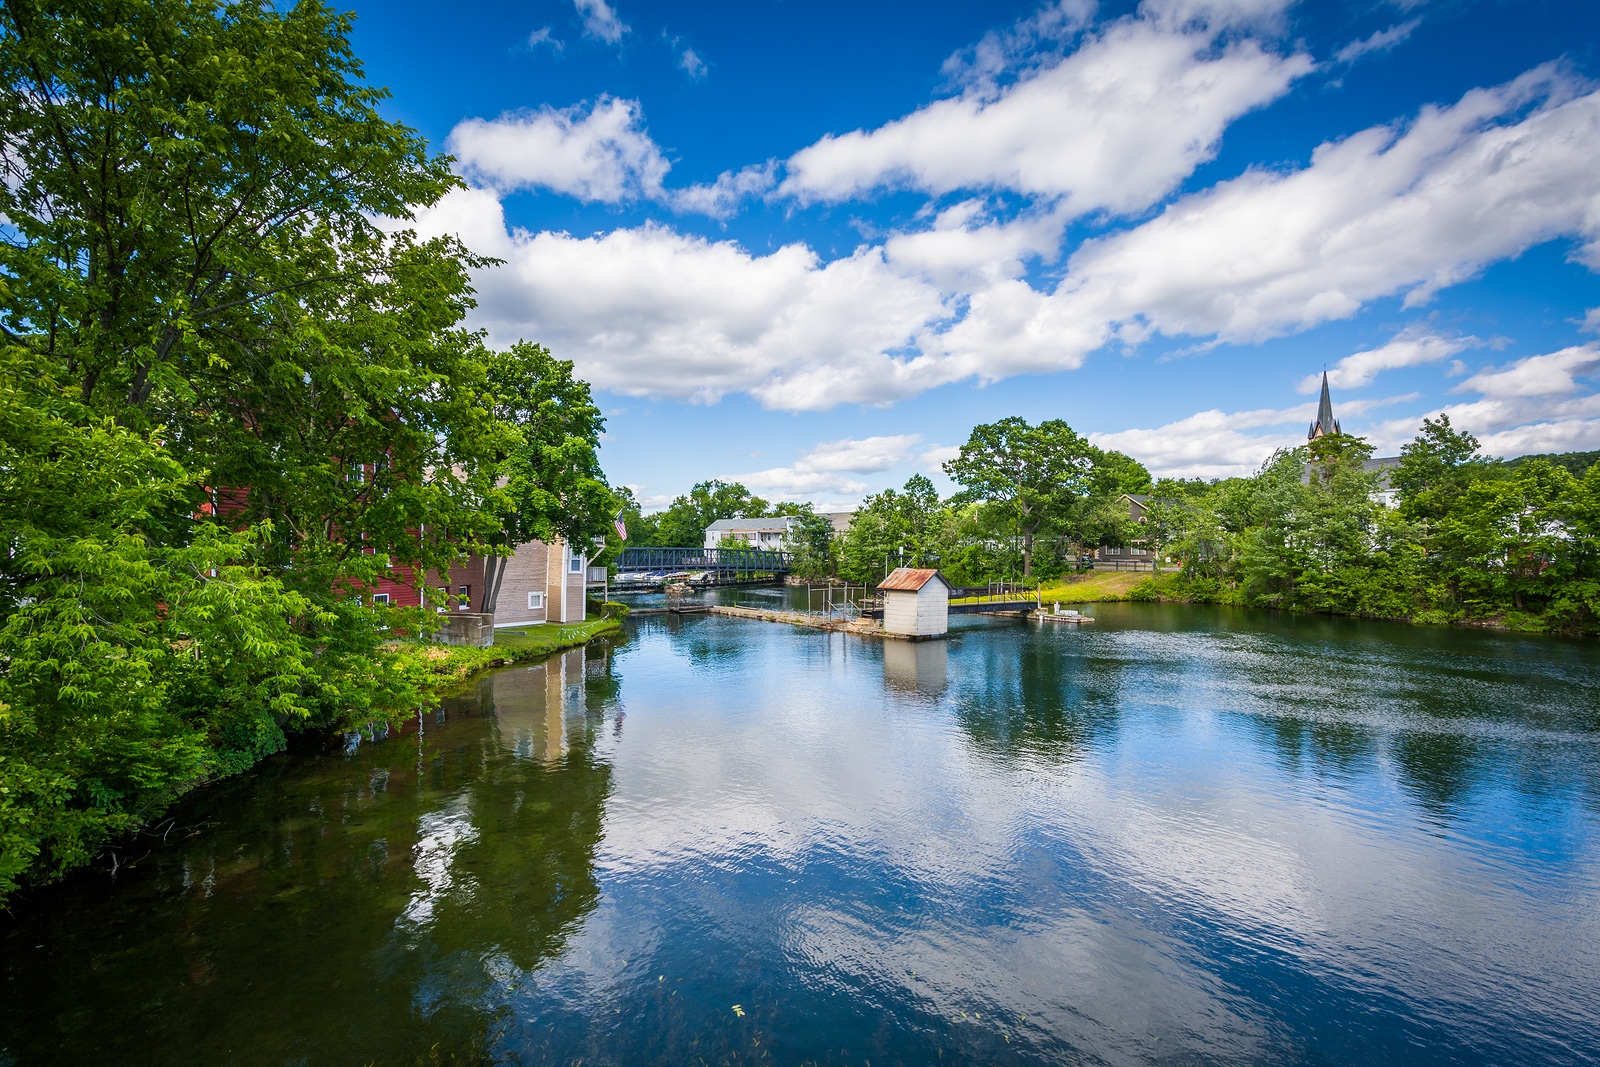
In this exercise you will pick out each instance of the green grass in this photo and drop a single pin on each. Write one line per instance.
(1093, 587)
(445, 667)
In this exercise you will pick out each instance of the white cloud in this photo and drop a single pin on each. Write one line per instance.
(1591, 321)
(1215, 444)
(600, 20)
(1208, 444)
(543, 35)
(826, 470)
(1413, 345)
(649, 311)
(964, 246)
(1114, 126)
(691, 63)
(1534, 404)
(1391, 209)
(599, 153)
(721, 199)
(1386, 210)
(1547, 375)
(1381, 41)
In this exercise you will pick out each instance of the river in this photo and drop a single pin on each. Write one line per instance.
(1180, 836)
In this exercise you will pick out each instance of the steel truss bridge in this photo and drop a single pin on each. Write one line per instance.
(726, 564)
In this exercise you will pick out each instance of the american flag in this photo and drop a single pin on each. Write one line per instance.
(622, 531)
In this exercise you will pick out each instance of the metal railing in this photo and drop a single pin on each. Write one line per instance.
(652, 560)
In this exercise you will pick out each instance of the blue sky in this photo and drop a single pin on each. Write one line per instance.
(808, 246)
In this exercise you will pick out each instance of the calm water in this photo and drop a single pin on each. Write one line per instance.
(1182, 836)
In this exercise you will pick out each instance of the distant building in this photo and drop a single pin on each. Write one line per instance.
(1136, 552)
(840, 520)
(770, 533)
(543, 582)
(1326, 425)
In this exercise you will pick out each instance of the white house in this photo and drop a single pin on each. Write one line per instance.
(755, 533)
(916, 602)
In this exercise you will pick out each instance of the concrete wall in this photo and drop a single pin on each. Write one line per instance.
(925, 613)
(471, 628)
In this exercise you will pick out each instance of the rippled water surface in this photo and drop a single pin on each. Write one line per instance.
(1180, 836)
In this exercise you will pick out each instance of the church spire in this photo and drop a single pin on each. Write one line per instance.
(1326, 424)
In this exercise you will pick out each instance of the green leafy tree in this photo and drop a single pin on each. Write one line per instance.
(237, 393)
(1435, 468)
(1033, 473)
(894, 529)
(550, 482)
(683, 524)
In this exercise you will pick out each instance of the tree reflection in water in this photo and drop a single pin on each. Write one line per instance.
(362, 908)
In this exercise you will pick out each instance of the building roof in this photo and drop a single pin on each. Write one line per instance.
(911, 579)
(780, 524)
(1326, 424)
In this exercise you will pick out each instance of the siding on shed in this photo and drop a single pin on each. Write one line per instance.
(924, 613)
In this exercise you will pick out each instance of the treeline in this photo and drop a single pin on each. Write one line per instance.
(1448, 535)
(1470, 539)
(1032, 499)
(230, 403)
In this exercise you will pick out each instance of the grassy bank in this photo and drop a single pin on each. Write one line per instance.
(441, 668)
(1094, 587)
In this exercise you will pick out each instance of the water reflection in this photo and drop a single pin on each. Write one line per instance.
(920, 667)
(1179, 836)
(337, 908)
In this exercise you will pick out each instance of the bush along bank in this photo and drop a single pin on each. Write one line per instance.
(1470, 541)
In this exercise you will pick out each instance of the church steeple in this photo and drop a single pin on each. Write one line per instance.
(1326, 424)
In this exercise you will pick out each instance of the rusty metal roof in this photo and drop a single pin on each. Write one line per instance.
(911, 579)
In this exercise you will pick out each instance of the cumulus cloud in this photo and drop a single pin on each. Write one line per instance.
(828, 468)
(1114, 126)
(1534, 404)
(1414, 345)
(966, 246)
(1217, 444)
(600, 20)
(593, 153)
(1391, 209)
(1591, 321)
(649, 311)
(1555, 373)
(1409, 208)
(1208, 444)
(1381, 41)
(721, 199)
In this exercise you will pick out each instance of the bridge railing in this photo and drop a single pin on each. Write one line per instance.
(652, 560)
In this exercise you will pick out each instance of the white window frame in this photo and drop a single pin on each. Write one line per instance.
(574, 563)
(380, 598)
(535, 601)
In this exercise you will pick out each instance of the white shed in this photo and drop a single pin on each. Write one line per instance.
(916, 602)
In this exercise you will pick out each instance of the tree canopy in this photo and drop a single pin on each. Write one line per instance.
(237, 392)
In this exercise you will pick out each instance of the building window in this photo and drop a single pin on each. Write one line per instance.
(444, 599)
(535, 601)
(575, 564)
(380, 598)
(465, 600)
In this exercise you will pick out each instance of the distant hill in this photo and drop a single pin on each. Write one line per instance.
(1576, 462)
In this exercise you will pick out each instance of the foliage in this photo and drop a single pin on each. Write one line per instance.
(683, 524)
(908, 528)
(1046, 481)
(236, 394)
